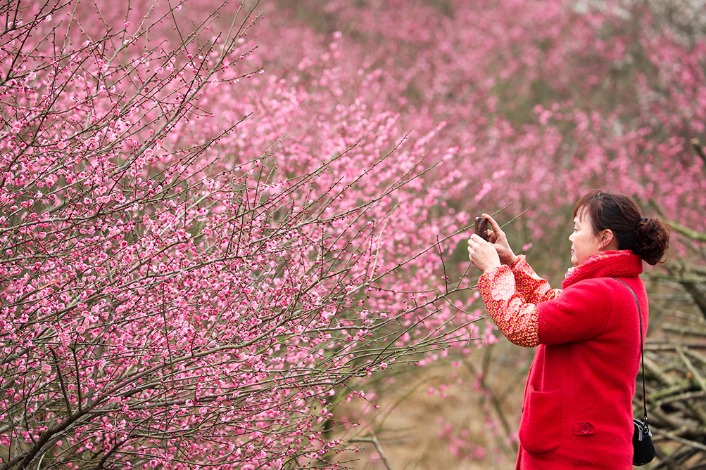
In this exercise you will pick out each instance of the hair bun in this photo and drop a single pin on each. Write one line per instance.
(651, 240)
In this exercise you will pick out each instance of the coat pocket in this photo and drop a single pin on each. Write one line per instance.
(540, 428)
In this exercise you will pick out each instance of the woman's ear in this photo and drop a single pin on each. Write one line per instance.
(608, 240)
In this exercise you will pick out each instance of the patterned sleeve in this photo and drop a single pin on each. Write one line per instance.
(514, 316)
(532, 287)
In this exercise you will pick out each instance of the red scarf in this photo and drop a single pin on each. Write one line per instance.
(610, 263)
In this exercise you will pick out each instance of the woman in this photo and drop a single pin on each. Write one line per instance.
(577, 408)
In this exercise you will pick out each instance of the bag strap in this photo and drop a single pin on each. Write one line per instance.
(642, 352)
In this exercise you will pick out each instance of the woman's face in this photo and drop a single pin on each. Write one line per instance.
(584, 242)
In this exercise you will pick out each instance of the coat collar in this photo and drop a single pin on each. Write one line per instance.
(612, 263)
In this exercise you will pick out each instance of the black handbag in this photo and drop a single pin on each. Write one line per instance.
(643, 449)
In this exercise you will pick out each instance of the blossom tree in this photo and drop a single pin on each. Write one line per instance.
(176, 291)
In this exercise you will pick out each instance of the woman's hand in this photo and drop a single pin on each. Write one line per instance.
(482, 254)
(499, 241)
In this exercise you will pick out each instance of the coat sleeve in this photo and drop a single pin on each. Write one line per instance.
(581, 312)
(528, 312)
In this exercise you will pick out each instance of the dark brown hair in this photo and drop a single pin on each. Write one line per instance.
(646, 237)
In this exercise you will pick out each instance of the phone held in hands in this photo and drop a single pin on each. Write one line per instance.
(481, 227)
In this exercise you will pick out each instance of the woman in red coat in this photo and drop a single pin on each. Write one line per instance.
(577, 408)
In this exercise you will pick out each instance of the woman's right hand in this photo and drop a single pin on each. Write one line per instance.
(499, 241)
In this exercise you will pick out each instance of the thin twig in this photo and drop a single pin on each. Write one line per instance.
(373, 440)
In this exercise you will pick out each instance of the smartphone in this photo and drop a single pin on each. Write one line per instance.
(481, 227)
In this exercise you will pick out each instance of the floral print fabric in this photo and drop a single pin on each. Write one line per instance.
(511, 294)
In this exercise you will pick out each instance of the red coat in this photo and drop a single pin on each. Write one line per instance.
(577, 408)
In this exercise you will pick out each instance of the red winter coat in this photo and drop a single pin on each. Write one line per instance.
(577, 407)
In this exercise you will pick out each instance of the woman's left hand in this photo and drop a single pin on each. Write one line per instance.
(482, 254)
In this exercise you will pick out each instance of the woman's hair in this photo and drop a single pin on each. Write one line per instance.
(646, 237)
